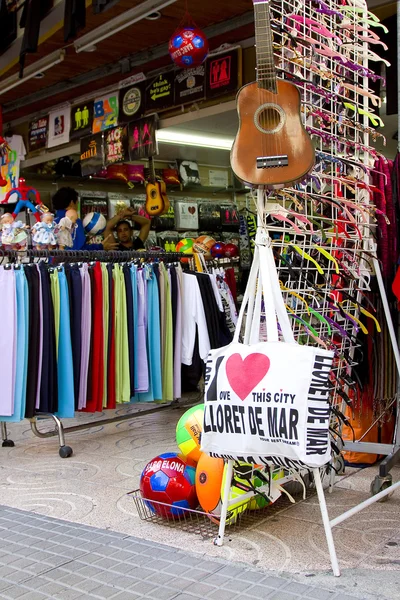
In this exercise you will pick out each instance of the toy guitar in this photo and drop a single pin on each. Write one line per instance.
(272, 147)
(157, 201)
(163, 189)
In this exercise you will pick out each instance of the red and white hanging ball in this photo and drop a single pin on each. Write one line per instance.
(188, 47)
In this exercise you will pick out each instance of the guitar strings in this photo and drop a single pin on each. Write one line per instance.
(271, 116)
(259, 55)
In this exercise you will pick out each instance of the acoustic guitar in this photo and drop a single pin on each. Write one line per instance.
(163, 190)
(272, 148)
(157, 201)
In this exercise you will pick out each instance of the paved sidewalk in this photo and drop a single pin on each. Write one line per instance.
(41, 558)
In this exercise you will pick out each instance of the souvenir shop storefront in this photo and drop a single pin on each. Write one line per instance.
(285, 234)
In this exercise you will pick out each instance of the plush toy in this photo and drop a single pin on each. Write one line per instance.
(22, 192)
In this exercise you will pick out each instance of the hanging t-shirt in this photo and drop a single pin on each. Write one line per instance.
(10, 164)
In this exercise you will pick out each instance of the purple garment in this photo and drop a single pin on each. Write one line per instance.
(8, 341)
(86, 324)
(178, 337)
(141, 358)
(37, 405)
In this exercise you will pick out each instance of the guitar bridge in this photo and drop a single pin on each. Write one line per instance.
(268, 162)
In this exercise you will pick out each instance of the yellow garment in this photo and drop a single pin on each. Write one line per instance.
(55, 294)
(122, 373)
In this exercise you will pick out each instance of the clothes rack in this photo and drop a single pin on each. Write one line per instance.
(15, 256)
(54, 259)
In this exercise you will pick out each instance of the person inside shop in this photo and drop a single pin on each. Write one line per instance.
(65, 205)
(122, 225)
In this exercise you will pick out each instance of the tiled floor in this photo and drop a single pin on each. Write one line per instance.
(91, 488)
(43, 558)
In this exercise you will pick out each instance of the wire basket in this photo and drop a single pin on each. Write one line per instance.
(189, 520)
(206, 524)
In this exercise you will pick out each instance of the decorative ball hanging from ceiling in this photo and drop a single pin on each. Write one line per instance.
(188, 46)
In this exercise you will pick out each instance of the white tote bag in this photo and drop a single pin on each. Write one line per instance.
(267, 402)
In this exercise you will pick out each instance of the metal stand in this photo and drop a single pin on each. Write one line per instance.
(15, 256)
(64, 451)
(219, 540)
(384, 479)
(6, 442)
(327, 523)
(60, 430)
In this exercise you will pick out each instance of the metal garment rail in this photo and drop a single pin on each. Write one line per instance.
(15, 256)
(59, 430)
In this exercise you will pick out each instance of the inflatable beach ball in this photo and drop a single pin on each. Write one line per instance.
(218, 250)
(203, 244)
(94, 223)
(231, 251)
(185, 246)
(188, 47)
(167, 485)
(210, 482)
(188, 432)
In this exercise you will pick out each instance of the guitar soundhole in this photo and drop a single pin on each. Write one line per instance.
(269, 118)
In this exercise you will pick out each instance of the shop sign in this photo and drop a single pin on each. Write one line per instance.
(160, 92)
(10, 165)
(91, 154)
(190, 85)
(59, 126)
(133, 79)
(132, 102)
(223, 73)
(116, 145)
(105, 112)
(38, 131)
(218, 178)
(142, 138)
(81, 120)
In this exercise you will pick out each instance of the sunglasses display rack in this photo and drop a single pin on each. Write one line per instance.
(323, 229)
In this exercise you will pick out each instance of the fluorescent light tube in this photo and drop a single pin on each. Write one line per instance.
(113, 26)
(39, 66)
(167, 136)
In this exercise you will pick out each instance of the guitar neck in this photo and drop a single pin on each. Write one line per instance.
(266, 74)
(152, 169)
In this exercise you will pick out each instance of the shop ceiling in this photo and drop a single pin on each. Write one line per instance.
(143, 46)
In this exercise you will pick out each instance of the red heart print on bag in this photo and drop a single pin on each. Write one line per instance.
(244, 374)
(192, 209)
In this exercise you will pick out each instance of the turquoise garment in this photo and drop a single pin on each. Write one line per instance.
(122, 373)
(65, 369)
(21, 371)
(153, 340)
